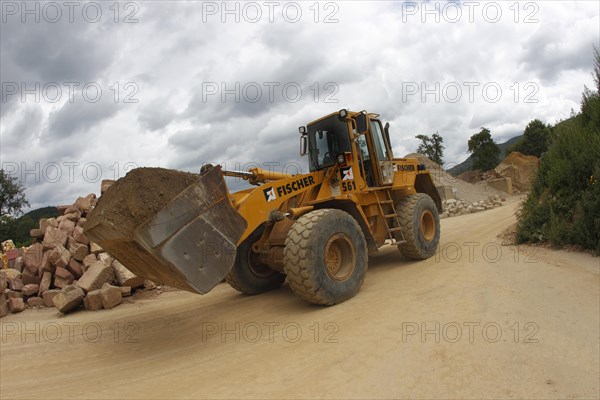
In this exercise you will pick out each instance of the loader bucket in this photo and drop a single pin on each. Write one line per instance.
(189, 243)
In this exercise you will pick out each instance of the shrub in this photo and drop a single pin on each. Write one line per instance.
(564, 204)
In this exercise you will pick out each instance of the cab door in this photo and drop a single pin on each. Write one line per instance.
(385, 170)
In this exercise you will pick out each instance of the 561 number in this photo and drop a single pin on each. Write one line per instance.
(348, 186)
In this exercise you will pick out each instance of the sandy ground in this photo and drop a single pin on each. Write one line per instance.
(476, 321)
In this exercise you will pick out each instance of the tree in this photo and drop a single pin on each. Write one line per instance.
(12, 195)
(432, 147)
(590, 103)
(535, 139)
(485, 151)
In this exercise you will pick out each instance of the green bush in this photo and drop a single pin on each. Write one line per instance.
(564, 204)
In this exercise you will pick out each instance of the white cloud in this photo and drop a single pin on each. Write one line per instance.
(166, 64)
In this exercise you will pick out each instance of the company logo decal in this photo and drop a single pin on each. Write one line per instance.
(270, 194)
(347, 174)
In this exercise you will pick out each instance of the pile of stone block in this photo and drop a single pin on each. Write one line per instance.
(453, 207)
(9, 254)
(63, 269)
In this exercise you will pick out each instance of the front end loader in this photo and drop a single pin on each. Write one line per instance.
(315, 230)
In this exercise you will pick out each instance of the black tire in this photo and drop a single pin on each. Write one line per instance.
(420, 223)
(249, 275)
(314, 235)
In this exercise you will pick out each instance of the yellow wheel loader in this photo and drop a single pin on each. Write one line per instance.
(316, 229)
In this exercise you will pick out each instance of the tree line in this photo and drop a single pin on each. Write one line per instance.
(484, 150)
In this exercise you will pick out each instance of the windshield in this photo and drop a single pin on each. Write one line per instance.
(327, 139)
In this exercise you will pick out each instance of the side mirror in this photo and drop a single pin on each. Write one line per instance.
(361, 123)
(303, 145)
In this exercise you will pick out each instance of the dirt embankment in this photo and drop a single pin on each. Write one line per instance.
(466, 191)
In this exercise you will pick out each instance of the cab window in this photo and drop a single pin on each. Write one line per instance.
(327, 139)
(382, 153)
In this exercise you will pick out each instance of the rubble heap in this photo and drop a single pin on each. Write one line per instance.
(63, 269)
(460, 189)
(454, 207)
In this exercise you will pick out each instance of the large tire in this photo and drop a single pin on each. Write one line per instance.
(325, 257)
(420, 223)
(249, 275)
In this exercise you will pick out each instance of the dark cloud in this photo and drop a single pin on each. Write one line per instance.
(79, 116)
(156, 115)
(548, 52)
(26, 129)
(55, 52)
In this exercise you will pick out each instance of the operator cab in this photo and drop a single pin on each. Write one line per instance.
(329, 138)
(326, 139)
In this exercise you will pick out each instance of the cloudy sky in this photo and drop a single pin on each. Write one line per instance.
(92, 89)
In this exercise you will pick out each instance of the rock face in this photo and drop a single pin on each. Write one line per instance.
(3, 281)
(78, 251)
(16, 305)
(503, 184)
(48, 295)
(75, 268)
(68, 299)
(30, 289)
(33, 257)
(35, 302)
(521, 169)
(54, 237)
(92, 301)
(126, 277)
(110, 296)
(95, 276)
(3, 306)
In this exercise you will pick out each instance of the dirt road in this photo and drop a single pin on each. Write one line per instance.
(476, 321)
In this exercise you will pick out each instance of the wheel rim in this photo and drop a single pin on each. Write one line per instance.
(339, 257)
(427, 225)
(256, 267)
